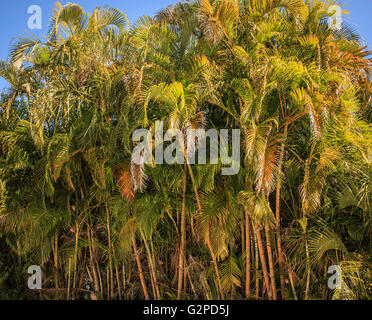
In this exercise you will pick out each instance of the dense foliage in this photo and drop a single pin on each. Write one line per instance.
(103, 227)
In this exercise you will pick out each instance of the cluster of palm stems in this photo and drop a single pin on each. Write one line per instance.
(101, 226)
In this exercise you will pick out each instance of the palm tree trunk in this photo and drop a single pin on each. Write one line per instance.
(256, 266)
(56, 261)
(155, 288)
(214, 261)
(95, 279)
(263, 262)
(124, 280)
(185, 275)
(108, 283)
(277, 217)
(118, 281)
(308, 271)
(139, 266)
(9, 104)
(110, 253)
(247, 257)
(76, 254)
(91, 261)
(271, 264)
(68, 278)
(292, 284)
(100, 278)
(183, 236)
(152, 253)
(117, 275)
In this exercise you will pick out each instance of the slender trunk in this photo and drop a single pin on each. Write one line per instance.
(290, 276)
(271, 263)
(277, 217)
(91, 262)
(154, 268)
(319, 57)
(183, 236)
(100, 279)
(292, 284)
(263, 262)
(118, 281)
(155, 288)
(68, 279)
(151, 278)
(256, 266)
(108, 283)
(214, 261)
(139, 266)
(124, 281)
(117, 275)
(95, 279)
(56, 261)
(247, 257)
(76, 253)
(110, 253)
(184, 276)
(308, 271)
(191, 284)
(9, 105)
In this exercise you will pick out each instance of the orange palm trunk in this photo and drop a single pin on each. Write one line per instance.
(263, 262)
(140, 271)
(277, 218)
(247, 257)
(183, 235)
(271, 263)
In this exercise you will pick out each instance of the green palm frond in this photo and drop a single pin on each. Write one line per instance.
(230, 273)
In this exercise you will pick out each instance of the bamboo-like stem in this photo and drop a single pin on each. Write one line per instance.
(256, 266)
(124, 279)
(56, 261)
(154, 269)
(271, 263)
(117, 277)
(110, 252)
(247, 257)
(118, 281)
(68, 279)
(277, 217)
(91, 261)
(191, 283)
(184, 275)
(155, 290)
(307, 289)
(263, 262)
(292, 285)
(100, 278)
(9, 104)
(139, 266)
(183, 234)
(108, 283)
(76, 253)
(290, 276)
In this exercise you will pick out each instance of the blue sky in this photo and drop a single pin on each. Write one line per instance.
(14, 17)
